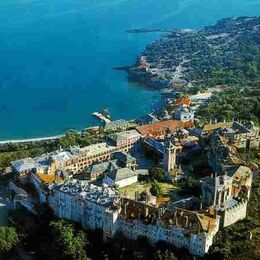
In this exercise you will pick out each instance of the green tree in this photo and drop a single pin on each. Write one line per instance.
(164, 255)
(156, 173)
(231, 241)
(8, 238)
(190, 187)
(156, 189)
(69, 139)
(71, 242)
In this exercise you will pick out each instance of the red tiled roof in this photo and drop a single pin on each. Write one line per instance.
(183, 101)
(162, 127)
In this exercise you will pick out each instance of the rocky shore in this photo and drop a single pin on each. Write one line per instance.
(148, 30)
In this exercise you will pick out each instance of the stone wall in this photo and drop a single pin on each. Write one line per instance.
(197, 244)
(234, 214)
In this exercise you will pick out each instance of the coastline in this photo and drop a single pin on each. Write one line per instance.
(35, 139)
(157, 78)
(144, 77)
(143, 30)
(173, 60)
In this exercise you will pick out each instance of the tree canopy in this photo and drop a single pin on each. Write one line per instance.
(157, 173)
(232, 104)
(8, 238)
(71, 242)
(156, 189)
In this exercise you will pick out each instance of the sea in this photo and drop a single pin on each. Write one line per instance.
(57, 58)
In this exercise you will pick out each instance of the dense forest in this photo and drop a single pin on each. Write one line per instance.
(242, 104)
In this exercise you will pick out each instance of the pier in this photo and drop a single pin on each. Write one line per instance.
(101, 117)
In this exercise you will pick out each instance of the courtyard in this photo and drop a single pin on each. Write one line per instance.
(169, 191)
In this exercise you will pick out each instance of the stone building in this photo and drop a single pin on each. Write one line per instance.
(119, 160)
(98, 207)
(216, 191)
(116, 125)
(182, 228)
(220, 153)
(242, 136)
(121, 177)
(212, 127)
(190, 223)
(228, 194)
(239, 135)
(128, 140)
(89, 205)
(95, 170)
(229, 191)
(160, 129)
(185, 114)
(75, 159)
(23, 168)
(125, 160)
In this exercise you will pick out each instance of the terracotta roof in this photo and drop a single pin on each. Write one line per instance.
(162, 127)
(183, 101)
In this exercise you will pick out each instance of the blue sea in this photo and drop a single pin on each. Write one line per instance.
(56, 57)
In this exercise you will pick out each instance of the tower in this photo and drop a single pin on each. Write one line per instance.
(216, 191)
(223, 188)
(169, 156)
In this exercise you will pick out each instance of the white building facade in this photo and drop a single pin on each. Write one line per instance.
(97, 207)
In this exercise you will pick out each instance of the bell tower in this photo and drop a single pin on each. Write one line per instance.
(169, 156)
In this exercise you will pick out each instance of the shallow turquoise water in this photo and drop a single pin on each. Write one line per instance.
(56, 57)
